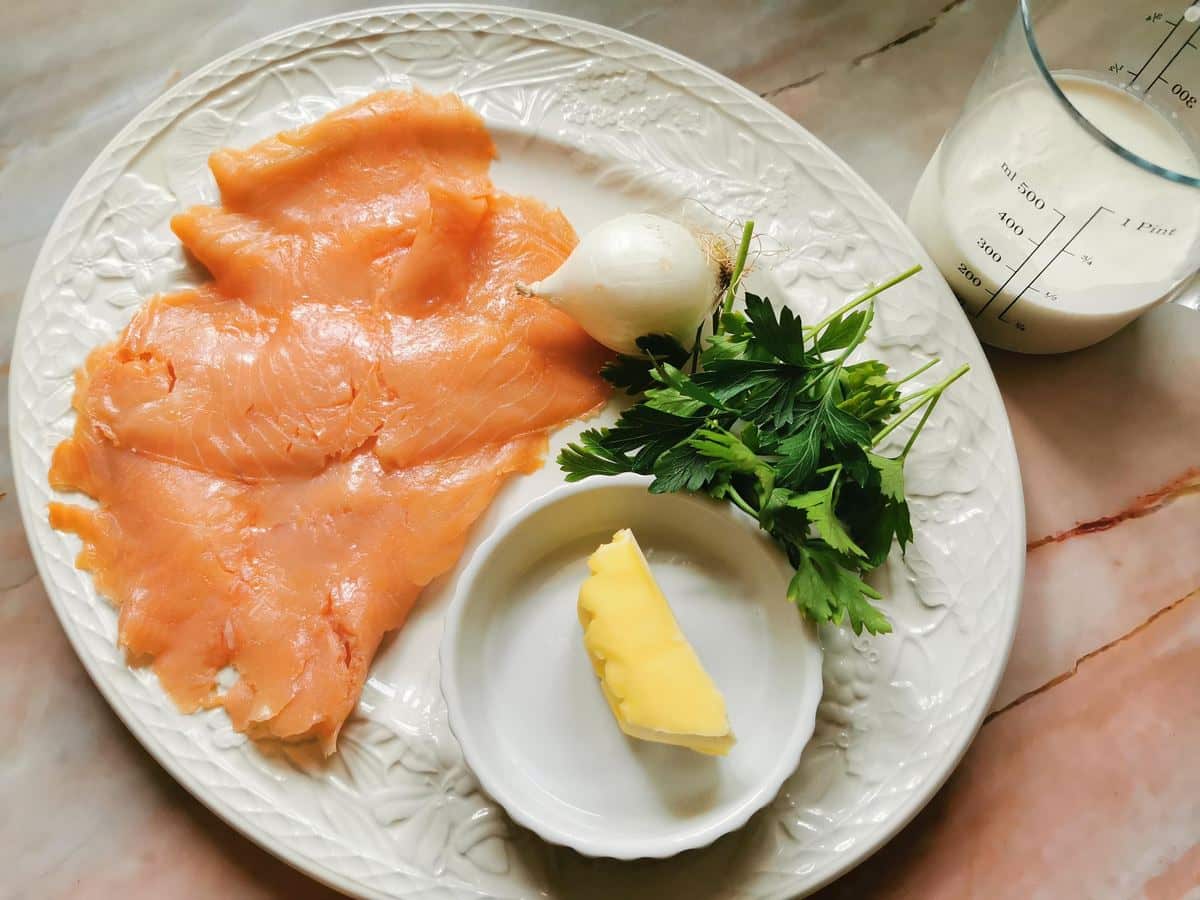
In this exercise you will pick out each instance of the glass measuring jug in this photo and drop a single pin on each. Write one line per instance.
(1065, 200)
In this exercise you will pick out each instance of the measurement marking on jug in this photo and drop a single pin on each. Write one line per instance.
(1010, 222)
(965, 271)
(1031, 195)
(1058, 253)
(1174, 56)
(1161, 44)
(992, 295)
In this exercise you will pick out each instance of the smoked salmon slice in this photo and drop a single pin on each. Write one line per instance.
(284, 457)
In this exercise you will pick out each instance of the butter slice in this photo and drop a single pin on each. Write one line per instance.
(653, 680)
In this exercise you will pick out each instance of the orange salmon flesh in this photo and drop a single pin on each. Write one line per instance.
(284, 457)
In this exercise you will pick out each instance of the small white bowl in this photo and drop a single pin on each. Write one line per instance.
(525, 704)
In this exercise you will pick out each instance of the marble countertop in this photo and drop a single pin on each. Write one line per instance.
(1083, 781)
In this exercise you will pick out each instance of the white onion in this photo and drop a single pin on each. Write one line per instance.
(635, 275)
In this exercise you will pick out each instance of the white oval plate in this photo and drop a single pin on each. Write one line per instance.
(599, 123)
(523, 698)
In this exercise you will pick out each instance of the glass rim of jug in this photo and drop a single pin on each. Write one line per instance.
(1044, 70)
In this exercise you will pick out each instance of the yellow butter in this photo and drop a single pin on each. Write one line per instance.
(650, 675)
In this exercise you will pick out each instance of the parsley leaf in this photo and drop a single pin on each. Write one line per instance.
(820, 425)
(680, 469)
(589, 456)
(799, 454)
(782, 336)
(725, 450)
(818, 505)
(826, 590)
(868, 393)
(891, 475)
(730, 341)
(766, 393)
(670, 400)
(648, 433)
(688, 387)
(875, 510)
(839, 333)
(634, 374)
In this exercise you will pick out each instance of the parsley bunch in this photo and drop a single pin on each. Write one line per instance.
(770, 415)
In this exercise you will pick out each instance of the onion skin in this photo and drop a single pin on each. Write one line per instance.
(635, 275)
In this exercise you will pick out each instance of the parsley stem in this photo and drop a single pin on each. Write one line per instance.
(862, 298)
(911, 375)
(899, 420)
(855, 341)
(925, 398)
(741, 503)
(951, 378)
(920, 424)
(936, 388)
(837, 473)
(739, 264)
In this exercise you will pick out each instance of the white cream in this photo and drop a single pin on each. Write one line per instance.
(1073, 240)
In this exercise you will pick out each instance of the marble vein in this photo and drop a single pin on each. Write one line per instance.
(909, 35)
(1074, 670)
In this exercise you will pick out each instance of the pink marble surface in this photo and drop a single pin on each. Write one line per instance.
(1083, 782)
